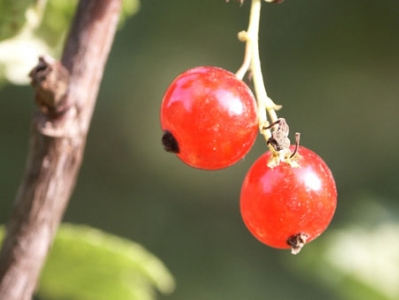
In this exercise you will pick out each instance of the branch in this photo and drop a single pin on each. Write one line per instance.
(66, 93)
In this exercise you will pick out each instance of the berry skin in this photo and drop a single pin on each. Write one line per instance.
(209, 118)
(286, 207)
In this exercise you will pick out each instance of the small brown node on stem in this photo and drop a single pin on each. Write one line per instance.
(169, 142)
(297, 241)
(50, 79)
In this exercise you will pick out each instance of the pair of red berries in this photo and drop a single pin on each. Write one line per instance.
(209, 119)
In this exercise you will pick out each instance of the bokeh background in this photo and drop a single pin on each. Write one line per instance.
(333, 65)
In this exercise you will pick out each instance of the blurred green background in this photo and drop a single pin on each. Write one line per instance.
(333, 65)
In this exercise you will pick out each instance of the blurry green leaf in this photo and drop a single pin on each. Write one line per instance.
(85, 263)
(55, 21)
(20, 51)
(129, 8)
(12, 16)
(15, 61)
(39, 26)
(58, 15)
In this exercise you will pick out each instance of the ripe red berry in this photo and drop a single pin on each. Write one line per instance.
(209, 118)
(286, 207)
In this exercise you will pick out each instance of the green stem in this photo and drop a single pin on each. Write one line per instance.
(252, 63)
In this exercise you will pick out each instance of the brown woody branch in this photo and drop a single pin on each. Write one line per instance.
(66, 92)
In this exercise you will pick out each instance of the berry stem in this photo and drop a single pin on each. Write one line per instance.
(252, 63)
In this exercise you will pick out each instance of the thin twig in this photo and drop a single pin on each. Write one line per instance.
(58, 135)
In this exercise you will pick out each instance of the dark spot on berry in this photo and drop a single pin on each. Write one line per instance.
(169, 142)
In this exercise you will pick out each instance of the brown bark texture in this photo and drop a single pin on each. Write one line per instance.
(66, 93)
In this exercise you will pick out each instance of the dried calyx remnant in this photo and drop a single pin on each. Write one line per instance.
(169, 142)
(297, 241)
(279, 139)
(281, 144)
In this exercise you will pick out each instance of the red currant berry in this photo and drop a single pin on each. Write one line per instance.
(286, 207)
(209, 118)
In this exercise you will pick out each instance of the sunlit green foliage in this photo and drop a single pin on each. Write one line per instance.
(87, 264)
(29, 29)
